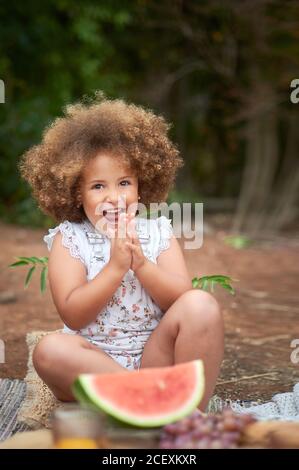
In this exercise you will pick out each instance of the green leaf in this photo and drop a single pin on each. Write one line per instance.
(208, 282)
(29, 275)
(43, 279)
(238, 242)
(19, 263)
(25, 261)
(28, 259)
(229, 288)
(37, 260)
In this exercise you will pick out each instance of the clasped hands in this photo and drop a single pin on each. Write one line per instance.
(126, 251)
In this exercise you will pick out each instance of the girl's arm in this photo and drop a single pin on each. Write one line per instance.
(168, 279)
(78, 301)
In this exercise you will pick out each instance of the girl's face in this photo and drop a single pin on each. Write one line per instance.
(105, 180)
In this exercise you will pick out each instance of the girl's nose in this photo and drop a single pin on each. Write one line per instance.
(114, 198)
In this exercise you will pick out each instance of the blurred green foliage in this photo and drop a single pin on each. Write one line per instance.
(34, 262)
(238, 242)
(206, 283)
(195, 62)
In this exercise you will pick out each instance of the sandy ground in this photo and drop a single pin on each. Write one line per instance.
(261, 319)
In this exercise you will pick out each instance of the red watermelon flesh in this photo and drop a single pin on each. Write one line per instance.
(148, 397)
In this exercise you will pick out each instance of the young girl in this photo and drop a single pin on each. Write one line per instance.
(122, 291)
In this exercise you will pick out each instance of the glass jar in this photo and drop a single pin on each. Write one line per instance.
(76, 426)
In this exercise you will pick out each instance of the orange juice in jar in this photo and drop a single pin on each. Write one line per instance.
(76, 426)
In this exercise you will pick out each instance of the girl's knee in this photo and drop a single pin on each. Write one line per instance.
(200, 307)
(46, 351)
(197, 298)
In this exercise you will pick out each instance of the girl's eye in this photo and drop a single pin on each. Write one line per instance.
(99, 185)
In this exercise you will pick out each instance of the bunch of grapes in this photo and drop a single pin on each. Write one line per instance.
(199, 431)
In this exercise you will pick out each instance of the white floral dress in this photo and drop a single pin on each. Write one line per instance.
(123, 326)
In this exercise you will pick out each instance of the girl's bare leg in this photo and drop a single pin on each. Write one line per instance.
(192, 328)
(59, 358)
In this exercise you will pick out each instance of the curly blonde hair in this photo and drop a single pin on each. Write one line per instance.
(54, 167)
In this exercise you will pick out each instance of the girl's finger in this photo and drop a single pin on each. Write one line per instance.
(122, 228)
(131, 222)
(130, 245)
(135, 238)
(130, 226)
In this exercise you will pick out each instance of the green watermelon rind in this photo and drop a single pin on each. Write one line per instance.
(82, 390)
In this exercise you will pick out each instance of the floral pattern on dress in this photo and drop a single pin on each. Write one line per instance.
(124, 325)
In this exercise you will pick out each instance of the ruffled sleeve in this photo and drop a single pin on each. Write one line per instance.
(70, 239)
(165, 233)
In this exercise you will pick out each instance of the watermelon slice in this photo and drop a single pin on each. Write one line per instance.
(149, 397)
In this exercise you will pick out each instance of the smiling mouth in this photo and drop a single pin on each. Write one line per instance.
(112, 215)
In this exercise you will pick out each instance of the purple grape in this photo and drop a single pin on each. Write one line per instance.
(199, 431)
(182, 441)
(206, 427)
(230, 424)
(216, 444)
(204, 443)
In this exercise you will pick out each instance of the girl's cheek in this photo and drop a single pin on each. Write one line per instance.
(93, 198)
